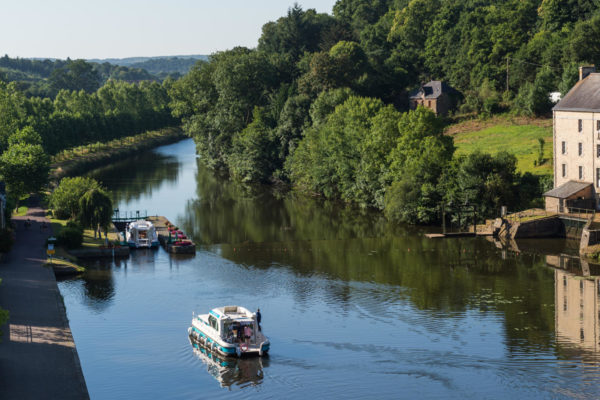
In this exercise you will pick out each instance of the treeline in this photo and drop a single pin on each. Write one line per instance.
(45, 78)
(166, 65)
(319, 102)
(74, 118)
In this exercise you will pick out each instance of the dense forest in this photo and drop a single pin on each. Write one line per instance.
(45, 78)
(322, 102)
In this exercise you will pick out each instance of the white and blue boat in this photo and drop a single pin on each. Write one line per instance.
(230, 331)
(142, 234)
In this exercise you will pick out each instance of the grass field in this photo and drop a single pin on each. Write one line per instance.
(517, 136)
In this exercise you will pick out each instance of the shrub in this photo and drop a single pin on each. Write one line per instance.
(70, 237)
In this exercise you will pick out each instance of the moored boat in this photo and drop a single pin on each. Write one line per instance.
(141, 234)
(230, 331)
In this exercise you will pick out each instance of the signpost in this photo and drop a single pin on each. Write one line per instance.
(50, 251)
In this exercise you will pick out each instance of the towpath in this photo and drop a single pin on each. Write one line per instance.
(38, 358)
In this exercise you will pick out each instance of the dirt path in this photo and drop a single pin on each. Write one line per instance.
(38, 358)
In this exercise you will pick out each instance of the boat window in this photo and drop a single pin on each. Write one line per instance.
(213, 322)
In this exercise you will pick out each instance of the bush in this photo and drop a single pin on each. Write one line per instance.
(70, 237)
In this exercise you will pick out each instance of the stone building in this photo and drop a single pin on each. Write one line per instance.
(576, 139)
(435, 95)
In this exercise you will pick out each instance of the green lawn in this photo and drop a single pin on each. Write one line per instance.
(518, 139)
(21, 211)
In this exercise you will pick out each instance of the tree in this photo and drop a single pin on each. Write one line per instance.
(65, 198)
(26, 135)
(24, 168)
(75, 75)
(490, 181)
(254, 153)
(421, 155)
(95, 209)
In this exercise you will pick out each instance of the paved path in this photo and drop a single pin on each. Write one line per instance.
(38, 358)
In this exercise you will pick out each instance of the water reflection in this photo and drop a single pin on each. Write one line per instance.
(138, 176)
(344, 293)
(232, 371)
(577, 289)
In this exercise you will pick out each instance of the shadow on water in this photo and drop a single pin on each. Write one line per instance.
(232, 371)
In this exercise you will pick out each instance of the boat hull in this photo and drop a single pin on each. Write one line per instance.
(135, 245)
(225, 349)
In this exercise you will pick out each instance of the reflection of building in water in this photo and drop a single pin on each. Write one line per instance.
(576, 309)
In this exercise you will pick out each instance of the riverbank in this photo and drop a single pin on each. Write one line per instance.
(38, 357)
(83, 158)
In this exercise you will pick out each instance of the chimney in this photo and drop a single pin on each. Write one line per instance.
(585, 70)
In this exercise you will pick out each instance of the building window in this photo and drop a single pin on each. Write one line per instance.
(564, 170)
(580, 172)
(598, 177)
(598, 150)
(428, 103)
(564, 148)
(580, 125)
(598, 126)
(580, 148)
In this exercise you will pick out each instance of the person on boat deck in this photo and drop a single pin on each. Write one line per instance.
(247, 333)
(258, 318)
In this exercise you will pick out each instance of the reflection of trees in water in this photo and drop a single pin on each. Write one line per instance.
(351, 246)
(137, 176)
(228, 212)
(99, 285)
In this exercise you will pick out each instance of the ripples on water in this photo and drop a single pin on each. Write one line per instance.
(353, 309)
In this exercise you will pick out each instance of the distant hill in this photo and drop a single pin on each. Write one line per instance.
(38, 77)
(156, 65)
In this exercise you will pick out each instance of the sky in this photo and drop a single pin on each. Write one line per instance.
(136, 28)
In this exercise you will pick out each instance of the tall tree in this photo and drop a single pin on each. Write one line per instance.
(96, 209)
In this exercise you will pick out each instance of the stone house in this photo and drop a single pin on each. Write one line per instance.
(576, 140)
(435, 95)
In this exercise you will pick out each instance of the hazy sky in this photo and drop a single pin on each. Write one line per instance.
(129, 28)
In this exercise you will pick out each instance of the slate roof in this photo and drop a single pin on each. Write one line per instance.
(431, 90)
(584, 96)
(567, 189)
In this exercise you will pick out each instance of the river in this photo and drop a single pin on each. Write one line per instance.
(354, 308)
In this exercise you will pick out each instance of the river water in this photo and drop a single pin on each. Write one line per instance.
(354, 308)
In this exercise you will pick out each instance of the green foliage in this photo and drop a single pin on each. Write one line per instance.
(95, 209)
(345, 156)
(74, 76)
(533, 98)
(541, 159)
(482, 179)
(419, 159)
(64, 200)
(24, 168)
(484, 101)
(70, 236)
(26, 135)
(254, 151)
